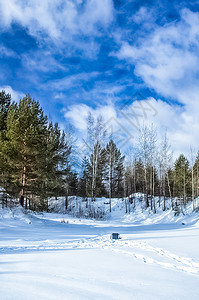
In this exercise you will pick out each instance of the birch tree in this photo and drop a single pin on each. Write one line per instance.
(95, 139)
(165, 162)
(147, 152)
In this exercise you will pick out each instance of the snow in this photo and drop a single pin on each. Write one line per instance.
(58, 256)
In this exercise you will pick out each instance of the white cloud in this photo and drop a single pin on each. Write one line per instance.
(145, 17)
(179, 122)
(7, 52)
(16, 95)
(41, 60)
(78, 114)
(57, 19)
(168, 59)
(71, 80)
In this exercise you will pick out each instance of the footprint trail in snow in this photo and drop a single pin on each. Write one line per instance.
(134, 249)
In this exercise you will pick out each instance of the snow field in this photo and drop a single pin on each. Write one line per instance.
(42, 258)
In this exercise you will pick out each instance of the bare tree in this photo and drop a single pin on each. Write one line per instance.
(147, 152)
(152, 132)
(143, 148)
(95, 138)
(165, 162)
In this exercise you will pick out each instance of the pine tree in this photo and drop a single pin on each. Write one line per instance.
(54, 166)
(5, 102)
(35, 155)
(139, 176)
(26, 128)
(85, 179)
(114, 170)
(182, 179)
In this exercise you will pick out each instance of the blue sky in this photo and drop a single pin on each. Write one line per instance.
(80, 56)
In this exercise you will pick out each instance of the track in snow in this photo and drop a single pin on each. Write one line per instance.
(137, 250)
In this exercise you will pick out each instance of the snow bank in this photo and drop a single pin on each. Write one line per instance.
(17, 214)
(122, 211)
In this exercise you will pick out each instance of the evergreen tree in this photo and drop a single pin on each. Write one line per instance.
(5, 102)
(139, 176)
(182, 181)
(54, 165)
(26, 128)
(96, 172)
(34, 155)
(114, 169)
(73, 183)
(85, 180)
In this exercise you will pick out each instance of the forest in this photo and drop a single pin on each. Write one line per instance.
(37, 161)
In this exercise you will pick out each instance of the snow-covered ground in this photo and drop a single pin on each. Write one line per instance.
(57, 256)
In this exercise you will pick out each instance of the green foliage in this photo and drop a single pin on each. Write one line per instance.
(107, 165)
(85, 180)
(35, 162)
(34, 155)
(182, 177)
(5, 102)
(114, 169)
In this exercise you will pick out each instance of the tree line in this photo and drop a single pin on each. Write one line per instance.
(154, 173)
(36, 162)
(34, 153)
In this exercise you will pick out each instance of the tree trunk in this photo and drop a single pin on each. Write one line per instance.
(192, 179)
(66, 200)
(154, 206)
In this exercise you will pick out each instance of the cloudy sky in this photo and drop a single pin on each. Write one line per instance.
(131, 61)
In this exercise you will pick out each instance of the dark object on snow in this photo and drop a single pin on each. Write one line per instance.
(131, 199)
(21, 200)
(115, 236)
(183, 223)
